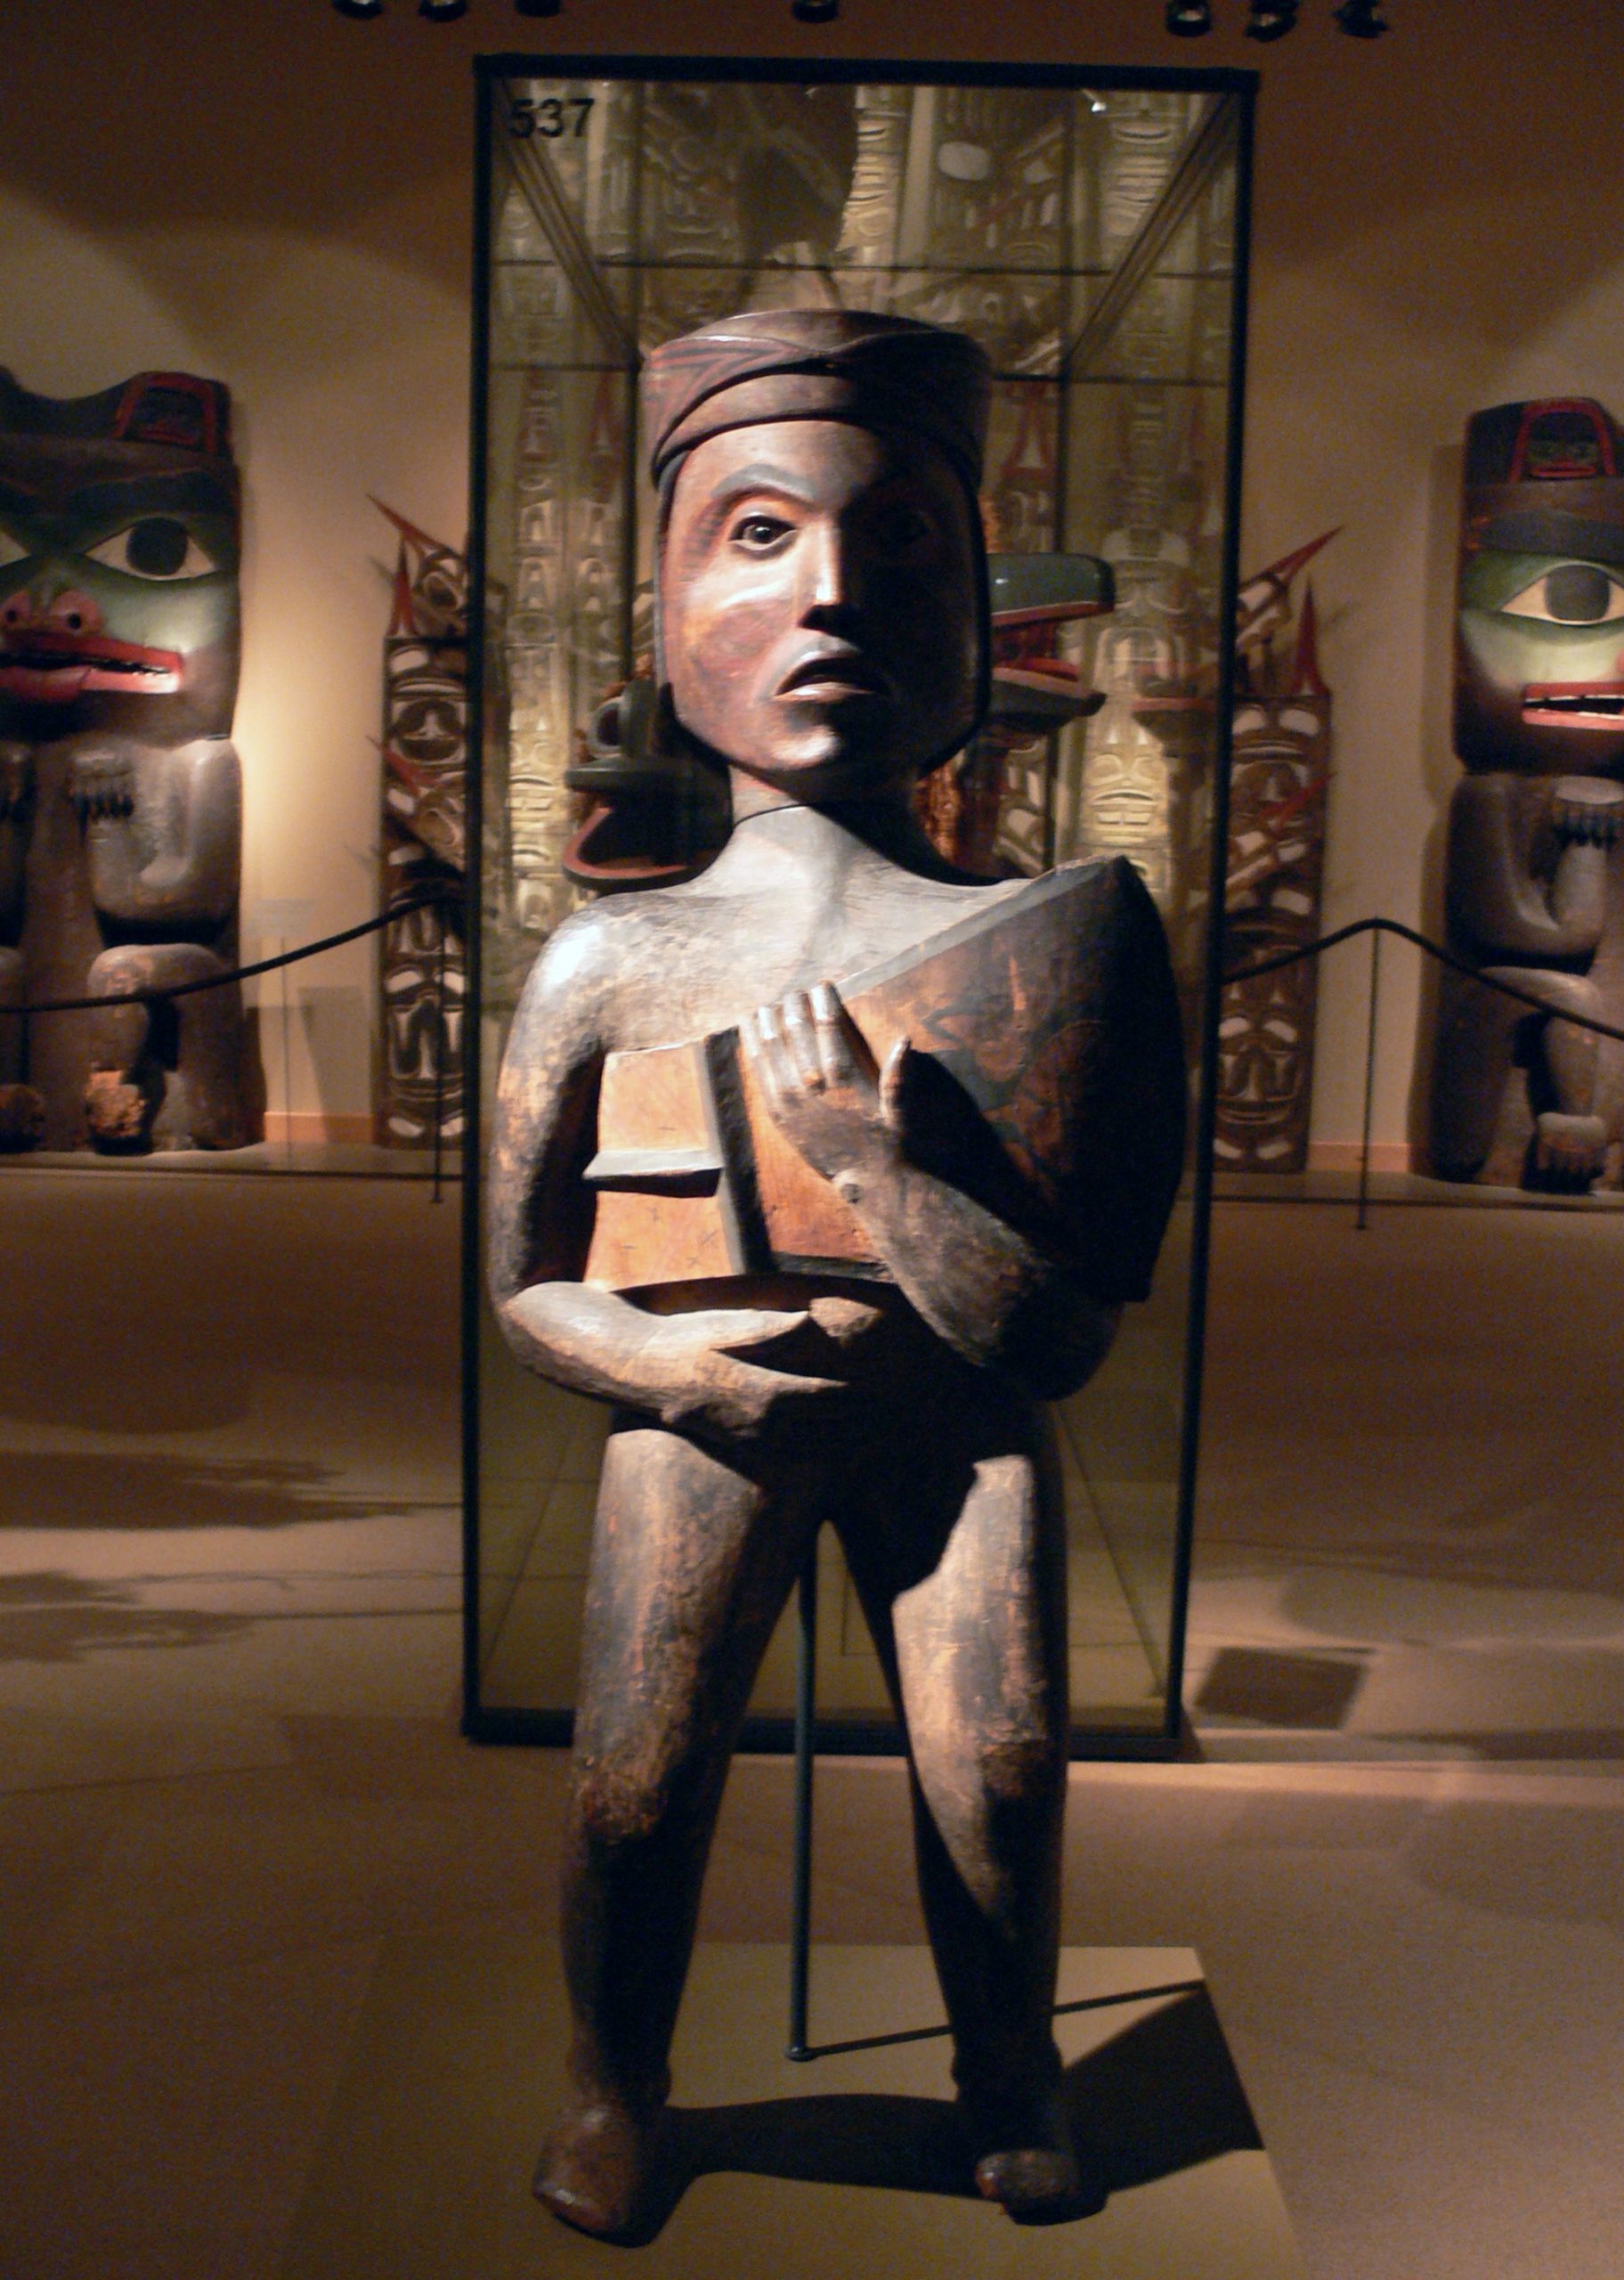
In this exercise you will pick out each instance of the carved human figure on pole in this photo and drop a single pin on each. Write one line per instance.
(1535, 868)
(120, 792)
(828, 1167)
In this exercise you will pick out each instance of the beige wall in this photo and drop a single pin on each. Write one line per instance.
(259, 190)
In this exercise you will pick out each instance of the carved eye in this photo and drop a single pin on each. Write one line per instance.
(12, 550)
(156, 546)
(1577, 593)
(902, 527)
(758, 533)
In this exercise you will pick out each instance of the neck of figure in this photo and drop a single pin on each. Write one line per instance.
(790, 844)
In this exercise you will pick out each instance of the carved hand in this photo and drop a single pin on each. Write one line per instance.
(848, 1125)
(101, 782)
(16, 779)
(688, 1368)
(1587, 810)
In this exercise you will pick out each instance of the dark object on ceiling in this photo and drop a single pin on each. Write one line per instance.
(1271, 20)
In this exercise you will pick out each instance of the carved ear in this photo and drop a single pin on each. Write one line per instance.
(176, 408)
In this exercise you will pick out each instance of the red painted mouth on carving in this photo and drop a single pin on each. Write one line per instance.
(41, 666)
(1575, 703)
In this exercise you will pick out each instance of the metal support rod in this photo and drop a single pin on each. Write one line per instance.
(800, 1890)
(1364, 1146)
(286, 1058)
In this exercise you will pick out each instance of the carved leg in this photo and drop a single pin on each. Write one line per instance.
(692, 1563)
(1473, 1137)
(22, 1113)
(971, 1620)
(168, 1074)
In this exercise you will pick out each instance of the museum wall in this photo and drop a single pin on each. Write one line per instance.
(260, 190)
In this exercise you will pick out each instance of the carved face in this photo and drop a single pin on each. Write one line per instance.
(821, 618)
(118, 597)
(1541, 662)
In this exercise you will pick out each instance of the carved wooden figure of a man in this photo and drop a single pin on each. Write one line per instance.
(828, 1167)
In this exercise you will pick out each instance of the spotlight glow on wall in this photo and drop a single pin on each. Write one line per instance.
(815, 11)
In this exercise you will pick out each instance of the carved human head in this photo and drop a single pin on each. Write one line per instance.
(822, 584)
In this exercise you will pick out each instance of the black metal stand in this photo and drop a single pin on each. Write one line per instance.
(800, 1889)
(1364, 1146)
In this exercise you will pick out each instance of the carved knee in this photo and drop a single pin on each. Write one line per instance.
(633, 1796)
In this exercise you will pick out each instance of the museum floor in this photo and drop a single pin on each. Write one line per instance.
(233, 1782)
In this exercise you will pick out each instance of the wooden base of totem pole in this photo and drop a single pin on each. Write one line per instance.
(847, 2167)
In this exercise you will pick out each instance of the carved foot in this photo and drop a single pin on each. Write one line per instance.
(602, 2171)
(1569, 1152)
(118, 1112)
(23, 1116)
(1029, 2162)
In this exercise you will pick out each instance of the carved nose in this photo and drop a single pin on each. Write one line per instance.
(67, 612)
(71, 613)
(830, 585)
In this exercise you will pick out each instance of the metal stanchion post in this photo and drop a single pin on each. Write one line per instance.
(800, 1890)
(1364, 1147)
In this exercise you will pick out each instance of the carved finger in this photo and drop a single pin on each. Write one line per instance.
(894, 1086)
(801, 1036)
(755, 1326)
(774, 1053)
(833, 1052)
(755, 1061)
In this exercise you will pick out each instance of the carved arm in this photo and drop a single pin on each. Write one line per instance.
(163, 830)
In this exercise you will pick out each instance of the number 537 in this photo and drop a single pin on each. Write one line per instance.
(548, 115)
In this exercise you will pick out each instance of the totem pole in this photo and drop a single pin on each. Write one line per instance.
(1279, 776)
(422, 960)
(120, 792)
(828, 1166)
(1534, 882)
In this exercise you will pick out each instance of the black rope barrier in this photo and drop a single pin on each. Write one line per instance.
(447, 897)
(1277, 963)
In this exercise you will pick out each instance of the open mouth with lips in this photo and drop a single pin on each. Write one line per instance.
(40, 665)
(833, 677)
(1574, 704)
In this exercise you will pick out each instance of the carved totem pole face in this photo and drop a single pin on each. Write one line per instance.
(820, 586)
(1539, 633)
(118, 559)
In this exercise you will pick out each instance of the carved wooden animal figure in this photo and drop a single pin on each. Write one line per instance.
(120, 792)
(1535, 876)
(827, 1168)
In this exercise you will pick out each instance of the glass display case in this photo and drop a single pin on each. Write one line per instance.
(1089, 230)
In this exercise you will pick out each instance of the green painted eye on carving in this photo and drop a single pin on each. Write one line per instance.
(1574, 593)
(157, 547)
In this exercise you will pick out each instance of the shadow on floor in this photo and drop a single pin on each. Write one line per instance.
(1282, 1688)
(61, 1490)
(48, 1617)
(1160, 2096)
